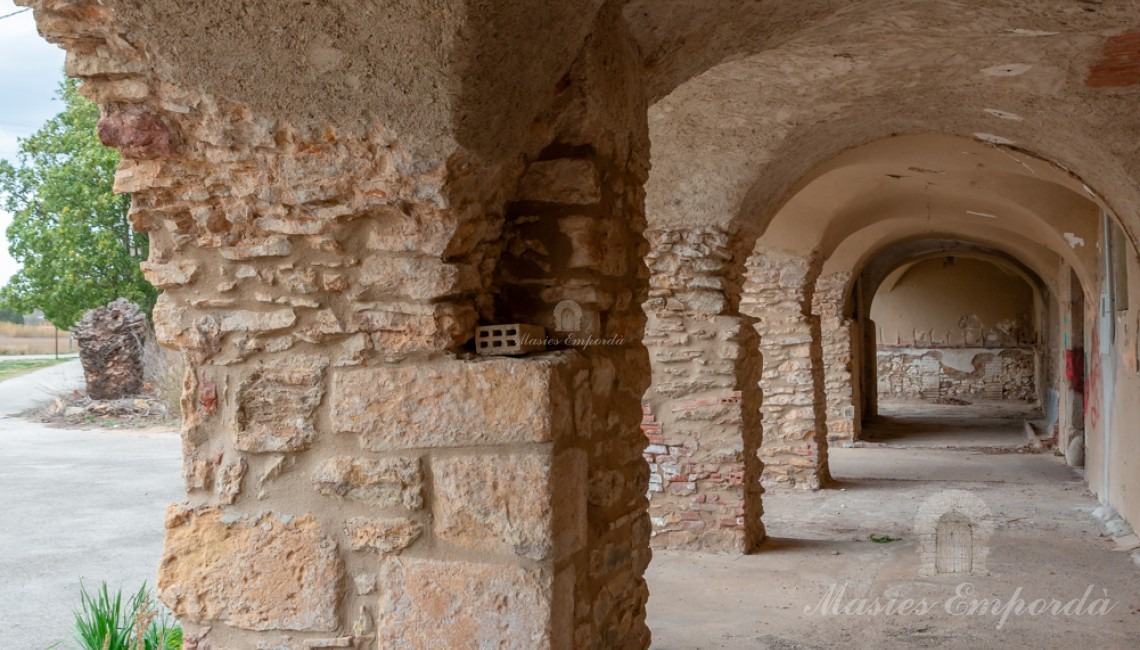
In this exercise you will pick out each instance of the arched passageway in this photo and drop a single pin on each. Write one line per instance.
(959, 350)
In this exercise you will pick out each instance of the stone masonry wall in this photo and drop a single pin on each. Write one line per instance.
(837, 334)
(958, 373)
(575, 233)
(701, 416)
(355, 477)
(778, 293)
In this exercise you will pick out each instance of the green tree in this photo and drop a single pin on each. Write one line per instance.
(69, 230)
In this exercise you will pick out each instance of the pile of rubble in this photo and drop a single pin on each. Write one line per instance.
(78, 408)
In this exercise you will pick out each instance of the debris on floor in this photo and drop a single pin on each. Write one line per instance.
(77, 409)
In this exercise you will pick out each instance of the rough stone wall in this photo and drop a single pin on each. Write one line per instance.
(701, 416)
(354, 476)
(963, 373)
(778, 293)
(575, 233)
(836, 332)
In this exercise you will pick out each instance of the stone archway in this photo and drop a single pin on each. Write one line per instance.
(331, 218)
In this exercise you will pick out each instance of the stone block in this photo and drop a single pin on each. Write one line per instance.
(446, 604)
(136, 133)
(415, 278)
(594, 244)
(253, 321)
(274, 246)
(386, 536)
(170, 275)
(565, 180)
(276, 406)
(383, 483)
(454, 403)
(416, 229)
(405, 327)
(512, 503)
(268, 573)
(229, 481)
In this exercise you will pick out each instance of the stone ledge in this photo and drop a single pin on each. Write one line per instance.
(456, 403)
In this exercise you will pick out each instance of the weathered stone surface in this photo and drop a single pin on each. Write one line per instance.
(136, 133)
(836, 333)
(593, 244)
(253, 321)
(402, 327)
(265, 573)
(169, 275)
(428, 232)
(495, 503)
(229, 481)
(386, 256)
(956, 373)
(442, 604)
(385, 536)
(276, 406)
(275, 246)
(565, 180)
(445, 404)
(111, 341)
(417, 277)
(695, 418)
(384, 483)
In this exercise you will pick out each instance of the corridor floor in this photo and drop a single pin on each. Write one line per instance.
(1046, 545)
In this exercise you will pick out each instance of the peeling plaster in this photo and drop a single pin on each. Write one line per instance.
(1073, 240)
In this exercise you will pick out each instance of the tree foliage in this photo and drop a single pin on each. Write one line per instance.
(69, 230)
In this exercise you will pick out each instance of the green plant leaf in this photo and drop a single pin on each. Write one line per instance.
(105, 622)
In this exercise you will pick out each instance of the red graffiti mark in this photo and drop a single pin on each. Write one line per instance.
(1093, 382)
(1075, 369)
(208, 397)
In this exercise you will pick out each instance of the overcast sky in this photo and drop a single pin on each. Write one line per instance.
(30, 71)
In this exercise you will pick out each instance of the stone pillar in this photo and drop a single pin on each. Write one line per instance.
(778, 294)
(836, 332)
(356, 477)
(702, 417)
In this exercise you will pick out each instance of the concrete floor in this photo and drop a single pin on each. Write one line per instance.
(77, 505)
(1046, 544)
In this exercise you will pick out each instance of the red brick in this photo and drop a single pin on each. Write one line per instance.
(1119, 64)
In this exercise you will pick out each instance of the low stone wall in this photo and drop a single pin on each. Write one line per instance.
(960, 373)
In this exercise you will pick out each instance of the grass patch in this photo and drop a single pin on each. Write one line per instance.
(107, 621)
(15, 367)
